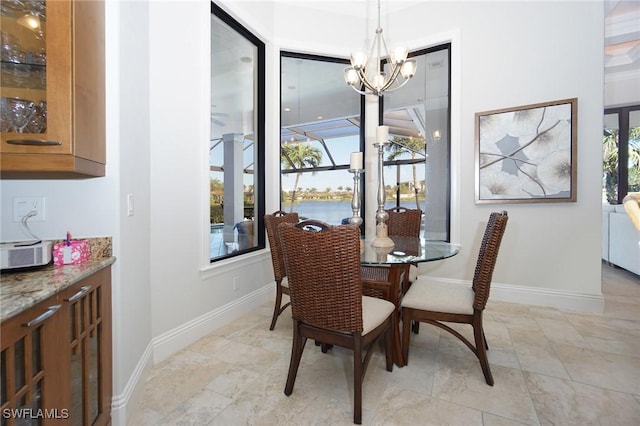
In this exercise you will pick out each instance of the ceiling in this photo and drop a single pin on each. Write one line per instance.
(622, 39)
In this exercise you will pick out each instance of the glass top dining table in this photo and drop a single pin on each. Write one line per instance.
(406, 251)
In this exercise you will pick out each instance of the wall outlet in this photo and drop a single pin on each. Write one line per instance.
(23, 205)
(236, 283)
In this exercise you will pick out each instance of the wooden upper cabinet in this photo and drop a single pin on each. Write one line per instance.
(52, 64)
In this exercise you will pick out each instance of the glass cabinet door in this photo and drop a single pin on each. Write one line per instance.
(35, 83)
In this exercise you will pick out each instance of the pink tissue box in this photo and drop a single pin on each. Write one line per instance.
(76, 252)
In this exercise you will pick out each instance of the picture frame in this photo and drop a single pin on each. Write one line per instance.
(527, 154)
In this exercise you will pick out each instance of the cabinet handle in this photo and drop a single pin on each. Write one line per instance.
(83, 290)
(33, 142)
(43, 316)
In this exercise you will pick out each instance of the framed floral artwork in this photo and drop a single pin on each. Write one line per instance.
(527, 154)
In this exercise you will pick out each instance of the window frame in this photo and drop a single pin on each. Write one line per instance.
(446, 45)
(260, 134)
(420, 52)
(623, 147)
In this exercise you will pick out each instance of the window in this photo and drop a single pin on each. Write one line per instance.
(236, 149)
(620, 153)
(417, 163)
(320, 127)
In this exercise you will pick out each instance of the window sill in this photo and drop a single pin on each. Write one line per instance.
(233, 264)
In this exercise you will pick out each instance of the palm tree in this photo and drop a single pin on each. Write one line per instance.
(610, 162)
(412, 146)
(299, 155)
(634, 159)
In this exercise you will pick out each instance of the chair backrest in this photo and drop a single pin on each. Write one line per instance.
(245, 234)
(271, 222)
(323, 269)
(404, 222)
(487, 257)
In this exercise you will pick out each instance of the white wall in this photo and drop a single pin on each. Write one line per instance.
(505, 54)
(519, 53)
(128, 119)
(185, 290)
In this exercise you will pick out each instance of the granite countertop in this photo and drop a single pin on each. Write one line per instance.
(22, 290)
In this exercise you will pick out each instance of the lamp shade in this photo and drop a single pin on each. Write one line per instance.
(358, 60)
(351, 76)
(408, 69)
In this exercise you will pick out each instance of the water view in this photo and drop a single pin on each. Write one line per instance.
(332, 212)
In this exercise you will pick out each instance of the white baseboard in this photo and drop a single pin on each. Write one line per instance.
(539, 296)
(128, 397)
(167, 344)
(190, 332)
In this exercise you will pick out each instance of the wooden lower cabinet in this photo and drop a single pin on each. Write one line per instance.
(29, 366)
(59, 370)
(86, 309)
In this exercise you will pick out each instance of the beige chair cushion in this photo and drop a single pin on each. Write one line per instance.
(439, 297)
(374, 312)
(413, 273)
(284, 282)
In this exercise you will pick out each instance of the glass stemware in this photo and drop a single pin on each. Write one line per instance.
(4, 121)
(18, 112)
(38, 121)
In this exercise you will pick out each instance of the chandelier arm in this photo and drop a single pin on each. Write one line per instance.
(365, 81)
(360, 91)
(405, 81)
(394, 74)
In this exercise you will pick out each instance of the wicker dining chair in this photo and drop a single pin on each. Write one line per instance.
(402, 222)
(271, 222)
(327, 305)
(436, 303)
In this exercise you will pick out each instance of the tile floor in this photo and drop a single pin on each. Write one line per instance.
(550, 367)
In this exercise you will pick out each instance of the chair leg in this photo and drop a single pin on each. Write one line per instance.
(296, 354)
(481, 344)
(388, 346)
(415, 327)
(357, 379)
(276, 309)
(406, 331)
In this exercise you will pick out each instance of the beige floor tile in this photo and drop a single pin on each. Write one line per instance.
(404, 407)
(606, 370)
(535, 352)
(550, 367)
(461, 381)
(493, 420)
(560, 331)
(563, 402)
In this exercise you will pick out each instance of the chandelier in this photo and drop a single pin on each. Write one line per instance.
(364, 72)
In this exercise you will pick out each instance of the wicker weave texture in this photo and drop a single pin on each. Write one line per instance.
(323, 269)
(404, 222)
(271, 222)
(487, 257)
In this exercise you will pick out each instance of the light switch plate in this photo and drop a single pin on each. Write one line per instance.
(130, 207)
